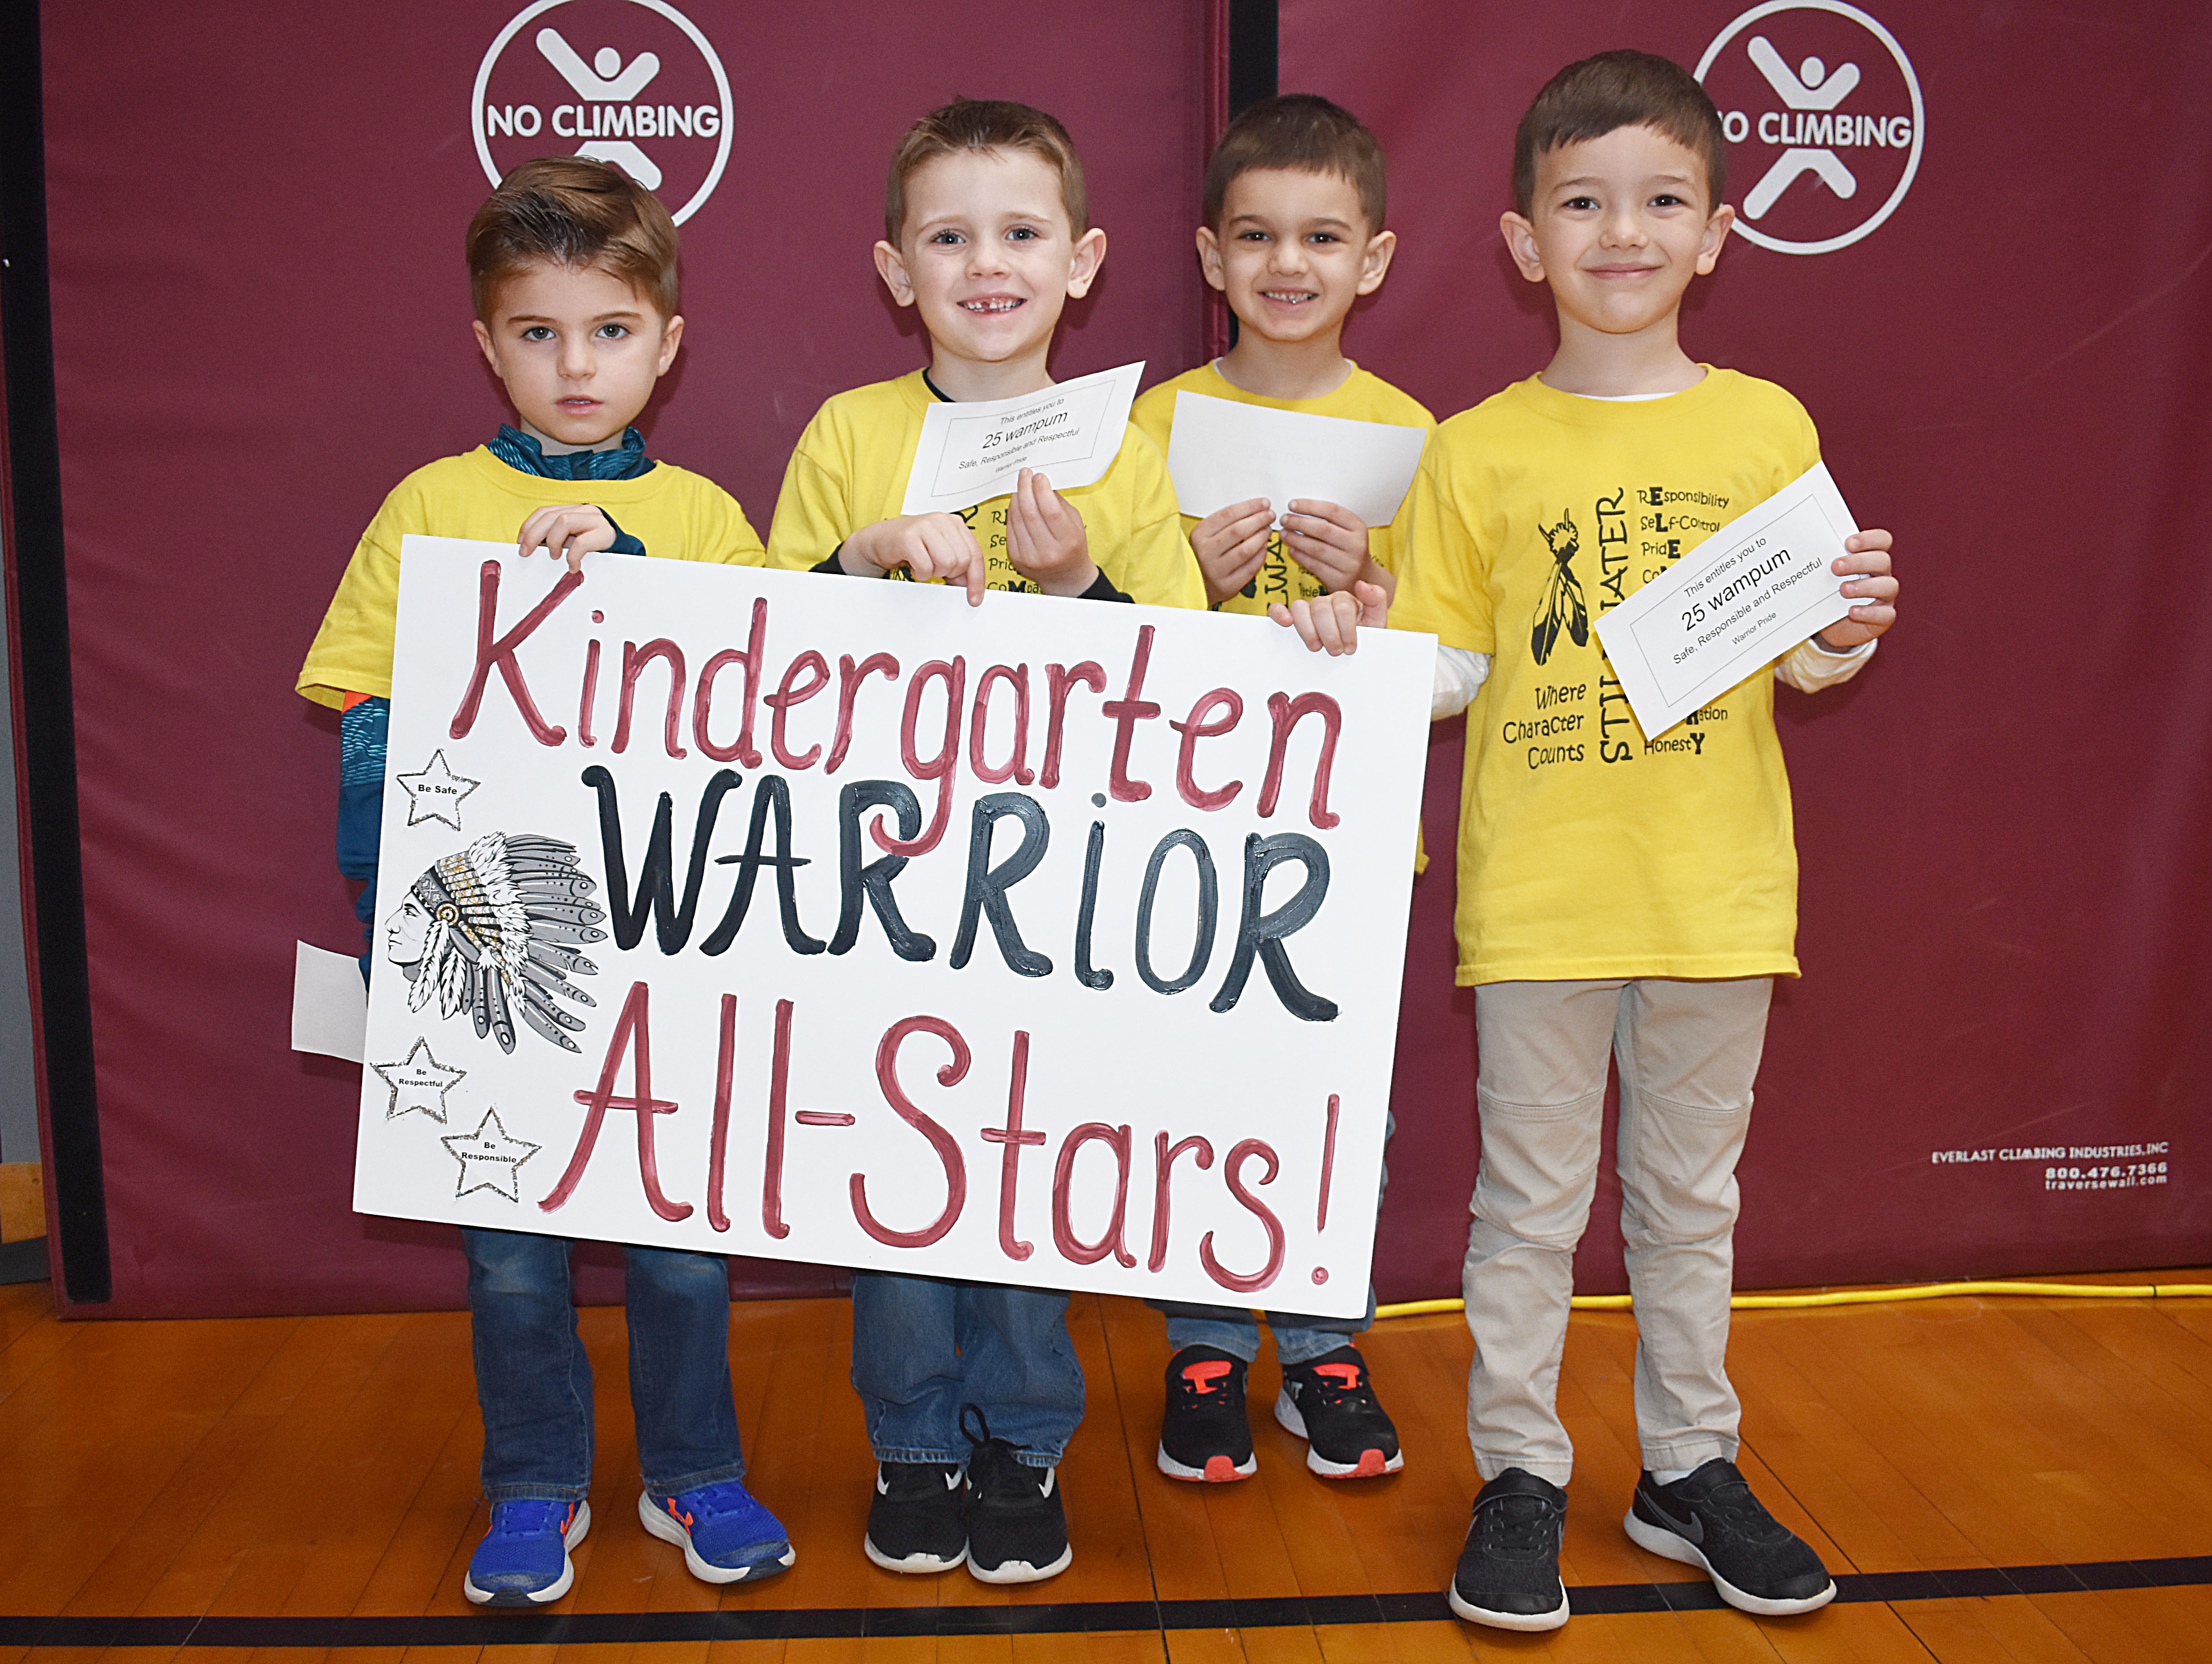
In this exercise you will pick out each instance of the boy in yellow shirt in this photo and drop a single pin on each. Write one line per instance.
(573, 270)
(1295, 198)
(1619, 900)
(988, 235)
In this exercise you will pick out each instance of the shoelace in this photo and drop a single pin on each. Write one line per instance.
(530, 1516)
(1212, 1379)
(1327, 1382)
(1733, 1500)
(1516, 1524)
(993, 1464)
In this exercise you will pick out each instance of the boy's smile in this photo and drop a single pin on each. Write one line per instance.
(578, 348)
(1293, 253)
(1618, 226)
(987, 257)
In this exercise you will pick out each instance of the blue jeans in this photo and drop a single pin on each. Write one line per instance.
(534, 1383)
(923, 1346)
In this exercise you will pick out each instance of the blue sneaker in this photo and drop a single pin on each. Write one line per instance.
(523, 1560)
(726, 1536)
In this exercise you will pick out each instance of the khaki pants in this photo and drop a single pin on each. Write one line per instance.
(1687, 1051)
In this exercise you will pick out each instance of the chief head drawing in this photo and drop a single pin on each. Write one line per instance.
(491, 931)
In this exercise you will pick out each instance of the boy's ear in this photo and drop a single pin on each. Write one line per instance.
(671, 337)
(1209, 259)
(483, 344)
(1375, 264)
(1716, 230)
(1082, 270)
(1520, 234)
(890, 266)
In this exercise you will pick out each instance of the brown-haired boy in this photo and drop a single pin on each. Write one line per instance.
(573, 270)
(988, 235)
(1618, 900)
(1295, 200)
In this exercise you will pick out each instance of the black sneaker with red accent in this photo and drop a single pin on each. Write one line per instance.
(1330, 1403)
(1204, 1433)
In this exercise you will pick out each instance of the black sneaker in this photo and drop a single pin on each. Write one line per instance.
(1712, 1521)
(1017, 1531)
(919, 1520)
(1204, 1433)
(1330, 1404)
(1508, 1572)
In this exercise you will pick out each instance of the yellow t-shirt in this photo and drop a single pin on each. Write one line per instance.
(676, 513)
(850, 471)
(1363, 397)
(1585, 852)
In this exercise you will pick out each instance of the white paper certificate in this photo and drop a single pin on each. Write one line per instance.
(971, 453)
(1738, 601)
(1221, 452)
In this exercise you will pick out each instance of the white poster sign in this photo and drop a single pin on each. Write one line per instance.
(970, 453)
(1222, 451)
(1051, 942)
(1733, 605)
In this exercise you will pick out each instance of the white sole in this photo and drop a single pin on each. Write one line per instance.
(670, 1531)
(1653, 1539)
(1286, 1413)
(1524, 1621)
(1021, 1571)
(561, 1585)
(914, 1566)
(1176, 1470)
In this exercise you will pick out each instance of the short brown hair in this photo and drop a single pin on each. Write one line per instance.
(577, 212)
(1300, 134)
(1590, 99)
(985, 124)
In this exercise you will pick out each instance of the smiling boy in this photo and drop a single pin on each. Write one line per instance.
(1293, 234)
(986, 234)
(1617, 901)
(572, 268)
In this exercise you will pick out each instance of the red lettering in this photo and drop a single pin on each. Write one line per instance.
(948, 1150)
(1013, 1136)
(634, 660)
(779, 1080)
(1127, 712)
(1287, 714)
(718, 1148)
(1232, 1172)
(744, 751)
(1058, 680)
(591, 692)
(1072, 1248)
(849, 678)
(1017, 768)
(633, 1023)
(1164, 1160)
(499, 653)
(938, 768)
(787, 695)
(1327, 1165)
(1194, 728)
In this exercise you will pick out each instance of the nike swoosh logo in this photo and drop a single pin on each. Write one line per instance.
(1690, 1525)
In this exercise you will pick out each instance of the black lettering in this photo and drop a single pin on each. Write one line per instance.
(1262, 933)
(988, 884)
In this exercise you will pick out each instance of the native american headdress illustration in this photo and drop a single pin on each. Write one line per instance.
(497, 922)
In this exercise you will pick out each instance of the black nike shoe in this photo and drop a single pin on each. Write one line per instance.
(1508, 1575)
(1330, 1403)
(1017, 1529)
(919, 1520)
(1712, 1521)
(1205, 1431)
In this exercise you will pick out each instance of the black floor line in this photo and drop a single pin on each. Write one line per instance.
(1074, 1617)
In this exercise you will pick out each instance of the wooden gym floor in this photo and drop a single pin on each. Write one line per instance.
(1991, 1479)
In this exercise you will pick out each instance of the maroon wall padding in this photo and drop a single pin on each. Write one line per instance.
(2003, 823)
(261, 323)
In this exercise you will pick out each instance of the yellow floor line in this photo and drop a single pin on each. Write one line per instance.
(1868, 1296)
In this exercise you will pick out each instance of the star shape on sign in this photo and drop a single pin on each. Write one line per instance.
(489, 1159)
(421, 1082)
(434, 792)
